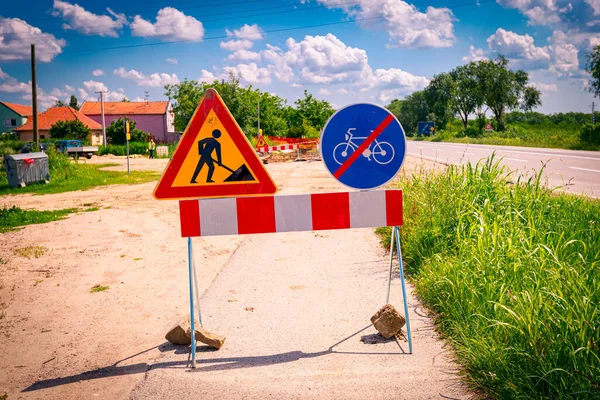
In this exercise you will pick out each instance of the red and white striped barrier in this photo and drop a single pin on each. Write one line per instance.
(305, 212)
(270, 149)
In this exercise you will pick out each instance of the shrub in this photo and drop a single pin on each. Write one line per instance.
(115, 133)
(74, 129)
(121, 150)
(590, 134)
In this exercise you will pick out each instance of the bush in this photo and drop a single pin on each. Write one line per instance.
(115, 133)
(74, 129)
(10, 147)
(9, 136)
(121, 150)
(590, 134)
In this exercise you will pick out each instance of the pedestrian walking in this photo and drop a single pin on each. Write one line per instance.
(151, 147)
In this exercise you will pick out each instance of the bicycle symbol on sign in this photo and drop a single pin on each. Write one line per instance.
(382, 152)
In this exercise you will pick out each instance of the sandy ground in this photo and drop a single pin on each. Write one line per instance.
(312, 294)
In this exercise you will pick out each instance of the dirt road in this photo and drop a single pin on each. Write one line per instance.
(294, 307)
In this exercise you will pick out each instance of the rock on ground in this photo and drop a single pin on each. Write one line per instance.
(388, 321)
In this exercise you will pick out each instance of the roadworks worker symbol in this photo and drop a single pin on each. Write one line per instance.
(213, 159)
(261, 142)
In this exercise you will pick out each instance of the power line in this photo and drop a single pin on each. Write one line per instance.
(339, 5)
(354, 2)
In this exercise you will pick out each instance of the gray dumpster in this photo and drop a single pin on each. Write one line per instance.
(22, 169)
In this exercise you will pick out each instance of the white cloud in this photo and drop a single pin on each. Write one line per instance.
(79, 19)
(242, 54)
(248, 32)
(520, 49)
(296, 85)
(97, 72)
(324, 92)
(404, 23)
(475, 55)
(319, 59)
(9, 84)
(566, 61)
(545, 88)
(92, 87)
(171, 60)
(234, 45)
(391, 83)
(250, 73)
(158, 79)
(209, 77)
(595, 4)
(342, 91)
(16, 37)
(171, 24)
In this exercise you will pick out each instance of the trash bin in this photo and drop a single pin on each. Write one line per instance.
(23, 169)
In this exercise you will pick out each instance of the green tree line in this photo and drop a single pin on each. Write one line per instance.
(305, 119)
(477, 88)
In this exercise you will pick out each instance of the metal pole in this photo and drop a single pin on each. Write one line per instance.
(593, 113)
(399, 249)
(36, 136)
(190, 260)
(103, 121)
(387, 298)
(259, 115)
(127, 142)
(196, 287)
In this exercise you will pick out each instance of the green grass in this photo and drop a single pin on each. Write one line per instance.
(66, 176)
(512, 273)
(558, 136)
(14, 217)
(99, 288)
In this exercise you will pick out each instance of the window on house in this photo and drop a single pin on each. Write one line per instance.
(9, 122)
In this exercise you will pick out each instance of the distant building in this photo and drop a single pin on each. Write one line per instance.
(52, 116)
(154, 117)
(13, 116)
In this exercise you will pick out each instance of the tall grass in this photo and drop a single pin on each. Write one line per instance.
(512, 272)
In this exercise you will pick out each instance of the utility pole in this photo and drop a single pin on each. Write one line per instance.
(593, 113)
(34, 97)
(258, 116)
(147, 95)
(103, 121)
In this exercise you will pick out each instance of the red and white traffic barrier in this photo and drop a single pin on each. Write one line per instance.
(291, 213)
(270, 149)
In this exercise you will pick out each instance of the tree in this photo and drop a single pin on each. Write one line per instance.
(59, 103)
(464, 97)
(74, 102)
(186, 97)
(593, 67)
(115, 132)
(316, 112)
(73, 129)
(440, 95)
(410, 111)
(505, 89)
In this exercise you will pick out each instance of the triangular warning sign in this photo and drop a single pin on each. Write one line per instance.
(213, 158)
(261, 142)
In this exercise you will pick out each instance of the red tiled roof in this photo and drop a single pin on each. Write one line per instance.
(125, 108)
(55, 114)
(20, 109)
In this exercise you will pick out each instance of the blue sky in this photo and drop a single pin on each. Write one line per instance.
(345, 51)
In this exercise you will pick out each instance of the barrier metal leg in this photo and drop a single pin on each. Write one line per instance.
(190, 268)
(196, 288)
(387, 298)
(396, 231)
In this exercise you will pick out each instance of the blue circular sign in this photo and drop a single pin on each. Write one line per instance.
(363, 146)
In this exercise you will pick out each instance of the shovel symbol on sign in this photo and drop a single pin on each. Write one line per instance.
(206, 147)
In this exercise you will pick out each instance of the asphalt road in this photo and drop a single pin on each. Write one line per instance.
(573, 170)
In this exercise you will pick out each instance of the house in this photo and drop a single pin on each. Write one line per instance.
(52, 116)
(154, 117)
(13, 115)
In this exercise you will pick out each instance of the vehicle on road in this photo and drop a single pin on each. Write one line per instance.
(27, 148)
(75, 148)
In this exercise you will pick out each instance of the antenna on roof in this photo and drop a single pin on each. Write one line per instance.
(147, 95)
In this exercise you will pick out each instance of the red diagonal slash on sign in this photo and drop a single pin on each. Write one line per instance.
(365, 145)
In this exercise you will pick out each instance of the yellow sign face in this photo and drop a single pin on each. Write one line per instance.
(127, 128)
(201, 166)
(128, 136)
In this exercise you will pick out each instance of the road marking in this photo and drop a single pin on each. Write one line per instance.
(465, 153)
(585, 169)
(557, 155)
(515, 159)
